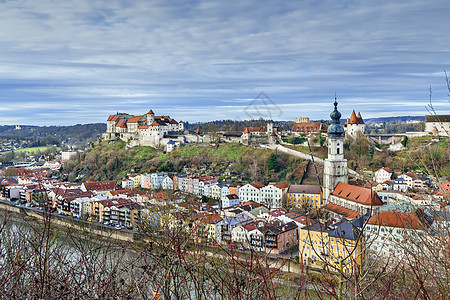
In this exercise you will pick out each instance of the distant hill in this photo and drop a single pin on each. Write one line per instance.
(73, 135)
(395, 119)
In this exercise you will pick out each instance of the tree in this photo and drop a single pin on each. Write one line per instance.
(272, 163)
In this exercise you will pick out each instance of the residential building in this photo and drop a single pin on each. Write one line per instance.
(304, 196)
(394, 234)
(251, 192)
(272, 195)
(409, 178)
(280, 237)
(172, 145)
(400, 185)
(327, 247)
(383, 174)
(146, 181)
(241, 234)
(230, 200)
(98, 186)
(437, 125)
(127, 184)
(167, 183)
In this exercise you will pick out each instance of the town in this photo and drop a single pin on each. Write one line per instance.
(336, 224)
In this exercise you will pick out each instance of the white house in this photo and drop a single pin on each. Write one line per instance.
(400, 185)
(409, 179)
(167, 183)
(272, 194)
(157, 179)
(382, 175)
(127, 184)
(251, 192)
(81, 207)
(394, 234)
(172, 145)
(256, 239)
(241, 234)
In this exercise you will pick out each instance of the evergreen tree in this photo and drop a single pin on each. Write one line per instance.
(272, 163)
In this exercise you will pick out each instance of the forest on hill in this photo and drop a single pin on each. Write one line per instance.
(77, 135)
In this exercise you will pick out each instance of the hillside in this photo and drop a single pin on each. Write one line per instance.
(232, 162)
(43, 135)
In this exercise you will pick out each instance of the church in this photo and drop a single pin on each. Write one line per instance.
(342, 199)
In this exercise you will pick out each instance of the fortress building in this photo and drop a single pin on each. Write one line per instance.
(355, 124)
(145, 130)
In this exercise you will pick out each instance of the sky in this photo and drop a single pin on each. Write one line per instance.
(65, 62)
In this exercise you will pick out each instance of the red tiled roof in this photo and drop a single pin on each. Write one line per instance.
(118, 202)
(360, 119)
(113, 117)
(411, 174)
(276, 213)
(108, 185)
(303, 220)
(387, 169)
(356, 194)
(397, 219)
(257, 184)
(345, 212)
(249, 227)
(255, 129)
(281, 185)
(134, 119)
(122, 123)
(306, 127)
(212, 219)
(155, 123)
(143, 127)
(150, 112)
(353, 118)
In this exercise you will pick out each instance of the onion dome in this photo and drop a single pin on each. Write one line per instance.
(335, 129)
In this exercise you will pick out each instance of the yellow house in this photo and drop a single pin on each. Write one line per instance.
(326, 248)
(136, 180)
(301, 196)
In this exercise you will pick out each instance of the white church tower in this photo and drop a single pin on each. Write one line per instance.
(335, 167)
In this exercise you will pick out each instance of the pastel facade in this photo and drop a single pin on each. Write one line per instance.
(302, 196)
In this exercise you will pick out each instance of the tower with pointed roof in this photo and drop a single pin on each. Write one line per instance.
(150, 117)
(335, 166)
(355, 124)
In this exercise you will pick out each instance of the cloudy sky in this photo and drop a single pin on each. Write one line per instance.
(77, 61)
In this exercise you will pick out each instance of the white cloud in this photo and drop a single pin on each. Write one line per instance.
(193, 56)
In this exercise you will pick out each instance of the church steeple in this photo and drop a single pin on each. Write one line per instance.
(335, 129)
(335, 167)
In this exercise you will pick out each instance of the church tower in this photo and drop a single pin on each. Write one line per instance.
(335, 167)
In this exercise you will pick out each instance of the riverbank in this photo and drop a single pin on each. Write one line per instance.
(30, 214)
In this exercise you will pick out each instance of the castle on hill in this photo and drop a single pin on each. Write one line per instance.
(355, 124)
(144, 130)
